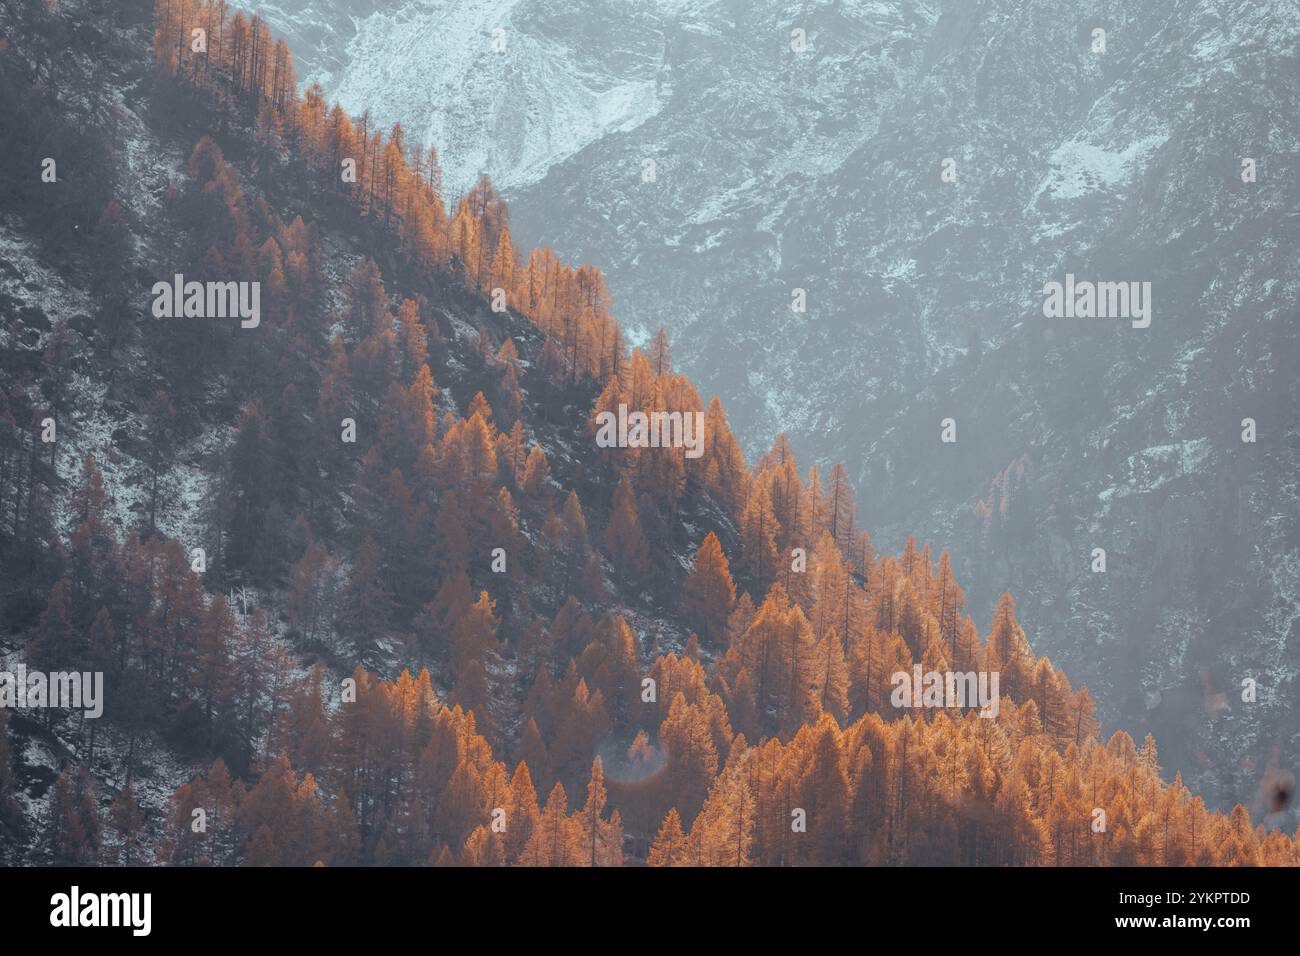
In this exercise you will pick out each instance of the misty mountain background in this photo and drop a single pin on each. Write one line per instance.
(777, 170)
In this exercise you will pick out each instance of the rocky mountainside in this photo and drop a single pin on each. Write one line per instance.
(823, 170)
(77, 345)
(504, 87)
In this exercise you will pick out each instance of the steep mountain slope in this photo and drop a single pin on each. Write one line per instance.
(155, 423)
(821, 170)
(253, 530)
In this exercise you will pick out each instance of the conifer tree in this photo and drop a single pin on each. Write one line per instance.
(692, 758)
(536, 478)
(521, 813)
(601, 839)
(312, 588)
(831, 676)
(415, 340)
(503, 265)
(128, 820)
(661, 356)
(624, 541)
(475, 635)
(840, 508)
(366, 603)
(74, 819)
(709, 593)
(556, 839)
(365, 302)
(948, 600)
(670, 845)
(758, 530)
(723, 833)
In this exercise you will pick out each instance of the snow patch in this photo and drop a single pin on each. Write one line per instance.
(1080, 168)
